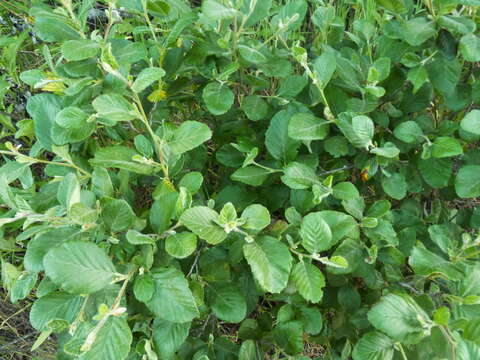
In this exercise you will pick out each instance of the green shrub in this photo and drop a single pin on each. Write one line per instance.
(249, 179)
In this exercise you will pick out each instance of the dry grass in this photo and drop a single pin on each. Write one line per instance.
(16, 334)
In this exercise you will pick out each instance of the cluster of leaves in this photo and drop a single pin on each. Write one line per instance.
(237, 178)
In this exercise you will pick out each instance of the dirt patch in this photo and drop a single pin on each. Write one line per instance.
(16, 334)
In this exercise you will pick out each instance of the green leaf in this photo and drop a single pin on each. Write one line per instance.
(55, 306)
(43, 109)
(112, 342)
(401, 318)
(289, 337)
(135, 237)
(169, 337)
(120, 157)
(191, 181)
(251, 175)
(255, 107)
(388, 150)
(341, 225)
(417, 76)
(188, 136)
(71, 126)
(75, 50)
(181, 245)
(248, 351)
(144, 287)
(291, 13)
(270, 261)
(459, 24)
(467, 182)
(395, 186)
(445, 146)
(218, 98)
(374, 346)
(254, 11)
(364, 128)
(278, 143)
(436, 172)
(51, 26)
(408, 132)
(252, 55)
(256, 217)
(23, 285)
(227, 303)
(201, 220)
(299, 176)
(324, 67)
(65, 263)
(315, 233)
(309, 281)
(117, 214)
(470, 47)
(42, 243)
(216, 11)
(306, 127)
(146, 78)
(345, 191)
(173, 301)
(69, 191)
(425, 262)
(418, 30)
(114, 107)
(471, 122)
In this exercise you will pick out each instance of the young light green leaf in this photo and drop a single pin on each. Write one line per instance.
(201, 220)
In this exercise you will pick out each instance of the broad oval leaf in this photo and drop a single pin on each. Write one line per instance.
(315, 233)
(201, 220)
(173, 301)
(270, 261)
(79, 267)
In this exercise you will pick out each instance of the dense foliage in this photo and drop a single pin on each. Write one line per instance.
(244, 179)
